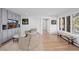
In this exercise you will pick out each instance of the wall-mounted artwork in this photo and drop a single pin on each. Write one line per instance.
(4, 27)
(53, 22)
(59, 23)
(68, 23)
(25, 21)
(63, 23)
(75, 26)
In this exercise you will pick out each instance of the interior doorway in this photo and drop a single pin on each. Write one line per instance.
(45, 25)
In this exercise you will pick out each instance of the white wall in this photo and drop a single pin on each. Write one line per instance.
(48, 25)
(53, 28)
(44, 25)
(24, 27)
(34, 22)
(37, 22)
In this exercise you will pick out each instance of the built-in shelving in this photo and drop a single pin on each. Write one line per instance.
(5, 33)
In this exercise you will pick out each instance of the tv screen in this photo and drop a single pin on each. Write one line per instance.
(12, 22)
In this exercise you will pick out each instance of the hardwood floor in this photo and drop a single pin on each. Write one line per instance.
(46, 42)
(55, 43)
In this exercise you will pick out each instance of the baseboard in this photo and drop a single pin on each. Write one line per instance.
(76, 44)
(2, 44)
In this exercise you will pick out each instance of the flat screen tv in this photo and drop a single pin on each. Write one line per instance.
(12, 24)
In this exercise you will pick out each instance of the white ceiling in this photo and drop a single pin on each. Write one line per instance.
(40, 11)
